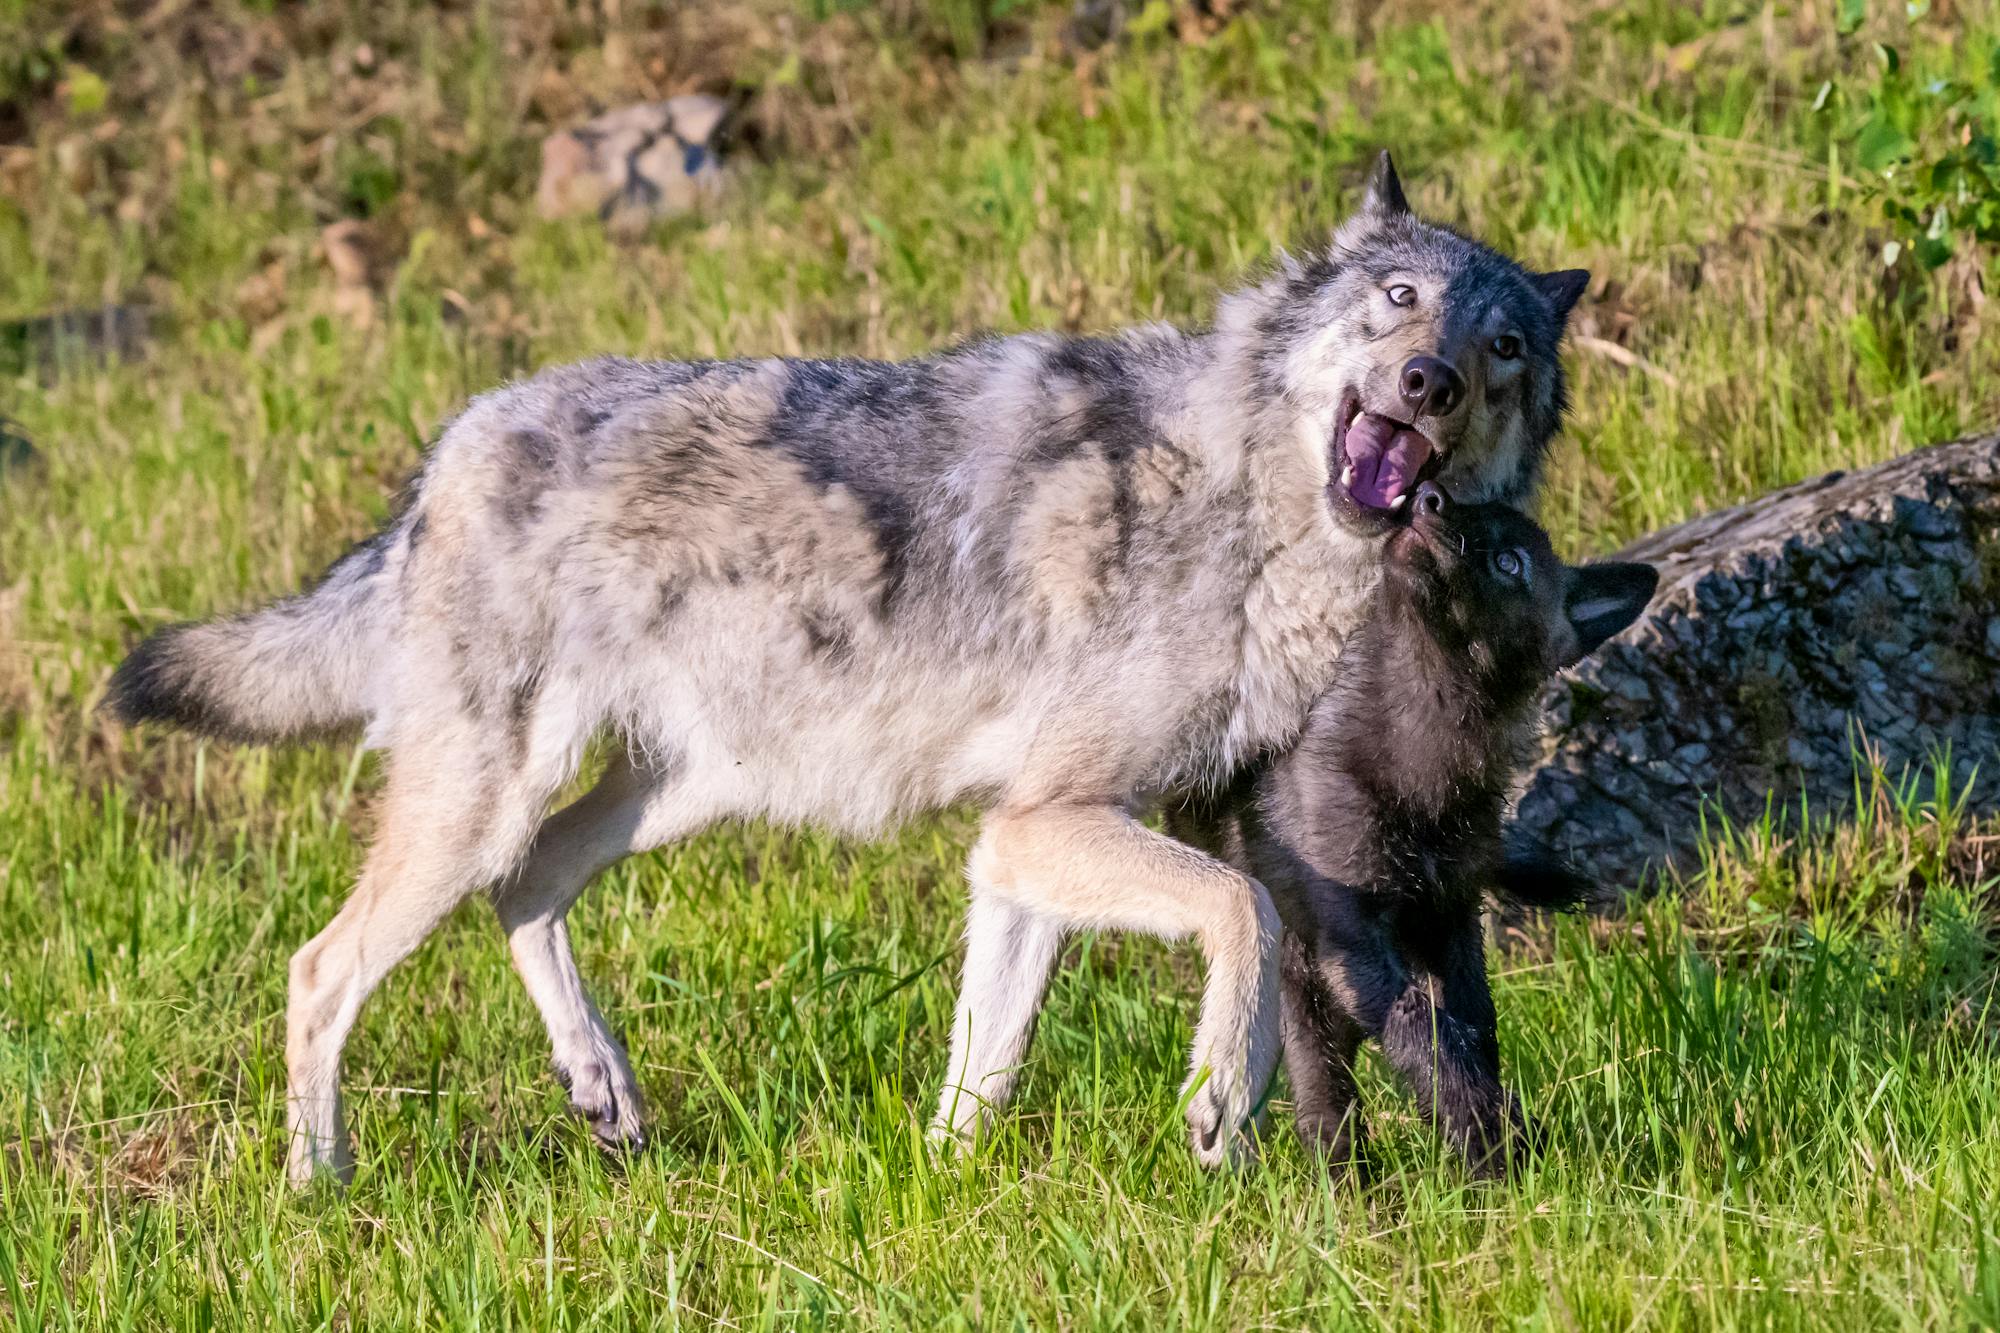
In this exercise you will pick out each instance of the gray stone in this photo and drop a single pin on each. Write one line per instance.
(1632, 688)
(635, 164)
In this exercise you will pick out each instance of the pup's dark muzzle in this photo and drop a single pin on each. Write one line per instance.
(1429, 524)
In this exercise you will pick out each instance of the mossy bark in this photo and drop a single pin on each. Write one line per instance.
(1850, 619)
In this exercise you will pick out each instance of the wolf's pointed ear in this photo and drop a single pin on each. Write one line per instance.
(1384, 197)
(1604, 598)
(1562, 288)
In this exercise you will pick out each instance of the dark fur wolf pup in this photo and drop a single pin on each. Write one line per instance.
(1380, 831)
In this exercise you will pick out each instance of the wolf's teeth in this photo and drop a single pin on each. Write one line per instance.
(1347, 475)
(1399, 502)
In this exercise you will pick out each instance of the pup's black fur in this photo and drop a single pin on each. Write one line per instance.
(1380, 831)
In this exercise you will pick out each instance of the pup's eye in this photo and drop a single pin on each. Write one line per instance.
(1506, 347)
(1402, 294)
(1511, 564)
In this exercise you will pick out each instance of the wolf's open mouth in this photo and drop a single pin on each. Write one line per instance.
(1380, 460)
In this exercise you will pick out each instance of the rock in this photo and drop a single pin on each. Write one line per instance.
(636, 164)
(1633, 689)
(1784, 630)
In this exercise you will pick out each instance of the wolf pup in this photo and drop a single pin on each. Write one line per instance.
(1057, 577)
(1380, 831)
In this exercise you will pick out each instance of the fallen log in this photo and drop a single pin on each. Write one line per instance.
(1857, 611)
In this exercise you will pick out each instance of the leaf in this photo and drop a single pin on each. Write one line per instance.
(1853, 13)
(1154, 18)
(87, 91)
(1890, 250)
(1881, 144)
(1934, 252)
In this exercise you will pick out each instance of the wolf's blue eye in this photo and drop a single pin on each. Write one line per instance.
(1506, 347)
(1511, 564)
(1402, 294)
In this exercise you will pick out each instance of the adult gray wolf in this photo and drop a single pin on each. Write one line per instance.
(1059, 578)
(1378, 834)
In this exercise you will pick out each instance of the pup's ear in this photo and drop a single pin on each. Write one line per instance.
(1604, 598)
(1562, 288)
(1385, 192)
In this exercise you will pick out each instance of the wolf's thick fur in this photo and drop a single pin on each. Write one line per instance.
(1379, 833)
(1057, 577)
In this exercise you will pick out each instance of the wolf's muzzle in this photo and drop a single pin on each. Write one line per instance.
(1431, 387)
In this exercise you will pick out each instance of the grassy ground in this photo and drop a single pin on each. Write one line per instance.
(1771, 1099)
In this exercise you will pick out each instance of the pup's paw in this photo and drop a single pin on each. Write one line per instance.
(1505, 1143)
(1337, 1140)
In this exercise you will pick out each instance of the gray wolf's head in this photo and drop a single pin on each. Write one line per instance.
(1482, 584)
(1405, 352)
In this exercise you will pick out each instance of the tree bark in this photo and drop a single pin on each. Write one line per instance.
(1858, 613)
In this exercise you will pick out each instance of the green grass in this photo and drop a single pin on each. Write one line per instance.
(1771, 1098)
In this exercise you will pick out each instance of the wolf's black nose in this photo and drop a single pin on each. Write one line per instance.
(1430, 499)
(1431, 387)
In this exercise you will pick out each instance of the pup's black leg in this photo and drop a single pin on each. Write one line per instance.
(1393, 978)
(1497, 1132)
(1440, 1056)
(1320, 1041)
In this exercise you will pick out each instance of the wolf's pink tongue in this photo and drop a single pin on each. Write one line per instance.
(1386, 459)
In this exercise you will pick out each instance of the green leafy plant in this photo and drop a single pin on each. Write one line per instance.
(1925, 143)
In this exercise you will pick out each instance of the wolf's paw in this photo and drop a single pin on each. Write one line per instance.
(962, 1118)
(1219, 1129)
(315, 1165)
(603, 1091)
(953, 1140)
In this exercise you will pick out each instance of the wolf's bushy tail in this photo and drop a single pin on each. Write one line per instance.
(298, 667)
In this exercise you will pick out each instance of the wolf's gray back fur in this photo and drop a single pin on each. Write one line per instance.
(1057, 577)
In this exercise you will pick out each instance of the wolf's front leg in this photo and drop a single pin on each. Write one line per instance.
(1095, 867)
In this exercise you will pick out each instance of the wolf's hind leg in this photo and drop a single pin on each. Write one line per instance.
(453, 818)
(1095, 867)
(629, 810)
(1009, 951)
